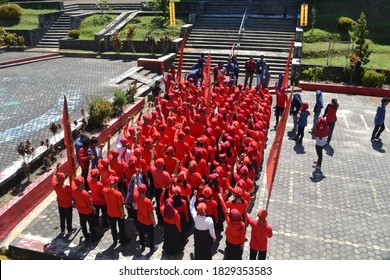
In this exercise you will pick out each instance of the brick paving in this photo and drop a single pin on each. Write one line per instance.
(31, 96)
(341, 212)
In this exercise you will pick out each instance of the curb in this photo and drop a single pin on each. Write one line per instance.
(28, 60)
(377, 92)
(15, 210)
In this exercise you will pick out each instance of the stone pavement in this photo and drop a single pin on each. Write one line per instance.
(31, 96)
(340, 212)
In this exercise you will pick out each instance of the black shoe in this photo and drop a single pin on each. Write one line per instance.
(154, 248)
(142, 248)
(114, 242)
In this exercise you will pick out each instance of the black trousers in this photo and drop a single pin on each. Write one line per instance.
(103, 209)
(157, 193)
(260, 255)
(65, 216)
(319, 150)
(331, 128)
(278, 113)
(121, 225)
(378, 129)
(233, 251)
(84, 174)
(248, 76)
(84, 219)
(143, 229)
(301, 133)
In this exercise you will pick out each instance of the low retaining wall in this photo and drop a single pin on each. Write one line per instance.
(345, 89)
(52, 5)
(20, 206)
(31, 37)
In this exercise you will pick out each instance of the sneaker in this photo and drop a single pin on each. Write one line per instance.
(378, 139)
(124, 242)
(154, 248)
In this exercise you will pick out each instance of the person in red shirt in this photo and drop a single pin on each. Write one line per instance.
(250, 69)
(211, 204)
(161, 180)
(64, 200)
(115, 210)
(145, 215)
(98, 200)
(235, 233)
(105, 171)
(172, 228)
(260, 233)
(85, 208)
(85, 158)
(280, 103)
(119, 168)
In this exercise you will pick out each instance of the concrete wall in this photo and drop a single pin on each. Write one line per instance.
(31, 37)
(47, 20)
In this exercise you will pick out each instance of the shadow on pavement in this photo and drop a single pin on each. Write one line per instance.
(329, 150)
(377, 146)
(317, 176)
(299, 149)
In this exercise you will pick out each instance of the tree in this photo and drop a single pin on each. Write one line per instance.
(359, 35)
(159, 5)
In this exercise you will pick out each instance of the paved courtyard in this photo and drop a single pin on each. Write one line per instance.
(31, 96)
(339, 213)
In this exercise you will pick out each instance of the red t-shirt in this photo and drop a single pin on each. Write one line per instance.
(259, 235)
(145, 208)
(170, 164)
(162, 179)
(235, 232)
(114, 200)
(64, 193)
(194, 179)
(83, 201)
(97, 192)
(238, 205)
(84, 160)
(173, 221)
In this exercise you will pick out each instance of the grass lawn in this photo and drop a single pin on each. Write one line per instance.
(28, 21)
(155, 26)
(376, 12)
(94, 24)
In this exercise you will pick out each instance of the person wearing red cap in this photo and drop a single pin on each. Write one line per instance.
(119, 168)
(170, 160)
(64, 200)
(193, 177)
(204, 233)
(235, 233)
(105, 171)
(260, 233)
(181, 147)
(85, 208)
(145, 215)
(161, 180)
(238, 201)
(123, 146)
(98, 200)
(172, 228)
(85, 158)
(211, 204)
(280, 103)
(115, 210)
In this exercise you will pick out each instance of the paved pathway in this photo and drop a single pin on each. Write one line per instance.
(339, 213)
(31, 96)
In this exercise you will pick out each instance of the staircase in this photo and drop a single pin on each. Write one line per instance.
(145, 79)
(265, 33)
(57, 31)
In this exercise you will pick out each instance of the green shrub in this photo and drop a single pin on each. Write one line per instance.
(74, 33)
(135, 20)
(10, 39)
(321, 38)
(344, 24)
(99, 110)
(10, 12)
(313, 73)
(120, 99)
(116, 42)
(371, 78)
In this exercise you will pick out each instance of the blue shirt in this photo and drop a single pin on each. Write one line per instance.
(380, 114)
(302, 121)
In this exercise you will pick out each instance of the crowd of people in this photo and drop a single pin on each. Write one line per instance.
(191, 161)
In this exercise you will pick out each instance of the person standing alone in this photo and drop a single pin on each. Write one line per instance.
(380, 120)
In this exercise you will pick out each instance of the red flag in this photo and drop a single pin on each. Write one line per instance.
(287, 69)
(273, 157)
(207, 84)
(68, 141)
(183, 42)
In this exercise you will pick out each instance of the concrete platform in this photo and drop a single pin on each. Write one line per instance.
(341, 212)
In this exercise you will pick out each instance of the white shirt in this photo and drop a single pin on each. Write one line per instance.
(321, 142)
(121, 150)
(201, 222)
